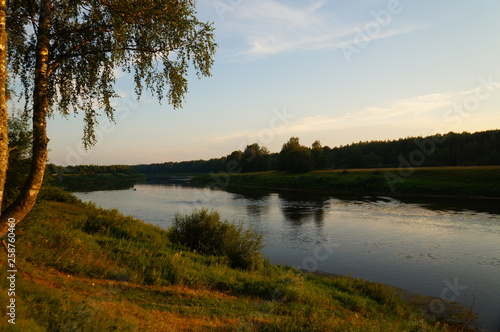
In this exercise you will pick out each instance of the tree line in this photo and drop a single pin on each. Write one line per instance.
(90, 169)
(451, 149)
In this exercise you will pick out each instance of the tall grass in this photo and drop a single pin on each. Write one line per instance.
(83, 268)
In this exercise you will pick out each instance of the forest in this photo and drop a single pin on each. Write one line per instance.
(90, 169)
(451, 149)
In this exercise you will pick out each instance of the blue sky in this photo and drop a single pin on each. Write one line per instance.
(334, 71)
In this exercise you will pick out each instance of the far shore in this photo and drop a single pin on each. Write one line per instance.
(475, 182)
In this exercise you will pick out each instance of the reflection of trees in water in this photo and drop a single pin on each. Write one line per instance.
(256, 198)
(300, 207)
(456, 204)
(254, 194)
(445, 204)
(297, 206)
(257, 209)
(174, 181)
(113, 185)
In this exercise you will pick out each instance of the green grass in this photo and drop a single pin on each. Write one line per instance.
(441, 181)
(83, 268)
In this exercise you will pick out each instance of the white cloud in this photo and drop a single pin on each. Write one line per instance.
(269, 27)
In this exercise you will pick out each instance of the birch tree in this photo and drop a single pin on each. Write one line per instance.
(65, 54)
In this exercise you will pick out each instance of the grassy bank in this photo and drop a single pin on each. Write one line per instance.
(441, 181)
(82, 268)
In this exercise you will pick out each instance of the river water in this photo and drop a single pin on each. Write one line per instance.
(445, 248)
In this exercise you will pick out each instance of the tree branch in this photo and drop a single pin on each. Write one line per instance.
(71, 52)
(121, 14)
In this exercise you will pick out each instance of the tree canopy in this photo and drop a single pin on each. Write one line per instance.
(295, 158)
(88, 41)
(66, 55)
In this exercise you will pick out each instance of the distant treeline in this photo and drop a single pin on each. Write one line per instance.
(452, 149)
(92, 177)
(90, 169)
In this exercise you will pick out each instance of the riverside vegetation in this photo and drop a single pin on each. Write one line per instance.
(479, 181)
(83, 268)
(443, 165)
(452, 149)
(90, 176)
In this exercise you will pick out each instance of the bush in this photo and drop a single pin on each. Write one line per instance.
(206, 233)
(52, 193)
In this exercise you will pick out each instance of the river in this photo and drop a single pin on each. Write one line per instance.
(445, 248)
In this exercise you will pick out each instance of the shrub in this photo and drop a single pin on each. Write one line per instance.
(206, 233)
(52, 193)
(242, 247)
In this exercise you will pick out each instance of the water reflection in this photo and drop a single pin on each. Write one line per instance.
(102, 186)
(253, 194)
(408, 242)
(299, 208)
(456, 204)
(256, 200)
(173, 181)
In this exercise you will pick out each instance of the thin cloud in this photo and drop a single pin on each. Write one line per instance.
(358, 37)
(419, 110)
(231, 137)
(270, 27)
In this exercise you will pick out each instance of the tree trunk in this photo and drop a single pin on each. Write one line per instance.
(4, 139)
(27, 198)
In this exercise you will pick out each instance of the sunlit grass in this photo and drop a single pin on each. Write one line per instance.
(82, 268)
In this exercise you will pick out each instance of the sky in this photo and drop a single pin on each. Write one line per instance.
(335, 71)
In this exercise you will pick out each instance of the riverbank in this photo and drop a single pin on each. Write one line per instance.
(85, 268)
(430, 181)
